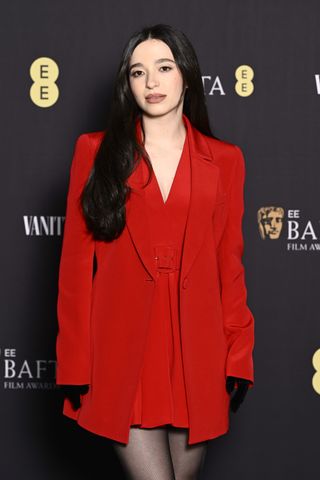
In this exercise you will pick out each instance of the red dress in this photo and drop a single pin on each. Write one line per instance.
(161, 394)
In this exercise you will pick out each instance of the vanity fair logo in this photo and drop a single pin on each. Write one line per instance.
(302, 233)
(25, 374)
(43, 225)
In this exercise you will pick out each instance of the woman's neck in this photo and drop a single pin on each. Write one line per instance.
(165, 130)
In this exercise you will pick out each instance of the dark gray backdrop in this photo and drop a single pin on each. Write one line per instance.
(275, 434)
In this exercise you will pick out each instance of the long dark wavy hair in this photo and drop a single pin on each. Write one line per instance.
(104, 195)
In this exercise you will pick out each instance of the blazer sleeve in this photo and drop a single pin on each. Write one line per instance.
(237, 317)
(75, 277)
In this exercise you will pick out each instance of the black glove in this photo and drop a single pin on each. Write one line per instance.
(73, 392)
(238, 397)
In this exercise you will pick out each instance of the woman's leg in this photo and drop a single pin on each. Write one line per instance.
(188, 460)
(146, 456)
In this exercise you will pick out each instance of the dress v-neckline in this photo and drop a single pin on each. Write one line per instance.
(165, 202)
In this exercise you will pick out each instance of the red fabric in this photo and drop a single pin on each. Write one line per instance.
(161, 396)
(104, 321)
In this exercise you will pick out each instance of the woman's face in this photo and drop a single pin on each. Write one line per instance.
(153, 70)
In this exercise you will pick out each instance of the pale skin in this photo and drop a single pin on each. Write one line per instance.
(153, 70)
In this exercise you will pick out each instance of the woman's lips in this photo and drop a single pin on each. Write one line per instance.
(156, 99)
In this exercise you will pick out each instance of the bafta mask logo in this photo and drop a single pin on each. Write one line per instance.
(270, 221)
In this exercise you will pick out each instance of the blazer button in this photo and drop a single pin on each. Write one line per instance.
(185, 283)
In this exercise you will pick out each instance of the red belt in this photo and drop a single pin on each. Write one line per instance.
(166, 258)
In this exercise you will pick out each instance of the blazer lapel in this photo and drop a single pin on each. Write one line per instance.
(204, 180)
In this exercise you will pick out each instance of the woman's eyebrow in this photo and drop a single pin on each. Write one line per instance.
(160, 60)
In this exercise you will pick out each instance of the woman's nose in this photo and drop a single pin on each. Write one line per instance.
(151, 81)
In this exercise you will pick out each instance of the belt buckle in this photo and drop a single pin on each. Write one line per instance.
(165, 256)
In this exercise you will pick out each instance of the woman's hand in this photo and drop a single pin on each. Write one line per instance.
(241, 391)
(73, 392)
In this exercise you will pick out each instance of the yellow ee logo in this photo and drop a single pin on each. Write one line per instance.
(44, 72)
(316, 366)
(244, 75)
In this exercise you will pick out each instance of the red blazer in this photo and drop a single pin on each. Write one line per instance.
(103, 320)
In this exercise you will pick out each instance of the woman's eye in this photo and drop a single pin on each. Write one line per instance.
(133, 74)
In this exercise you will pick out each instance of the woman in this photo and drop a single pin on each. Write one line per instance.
(153, 341)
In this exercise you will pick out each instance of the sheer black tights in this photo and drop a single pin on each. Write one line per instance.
(161, 453)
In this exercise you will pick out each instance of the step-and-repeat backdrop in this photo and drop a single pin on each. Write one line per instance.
(260, 64)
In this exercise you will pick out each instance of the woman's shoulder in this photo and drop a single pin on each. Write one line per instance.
(85, 149)
(227, 156)
(92, 137)
(222, 146)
